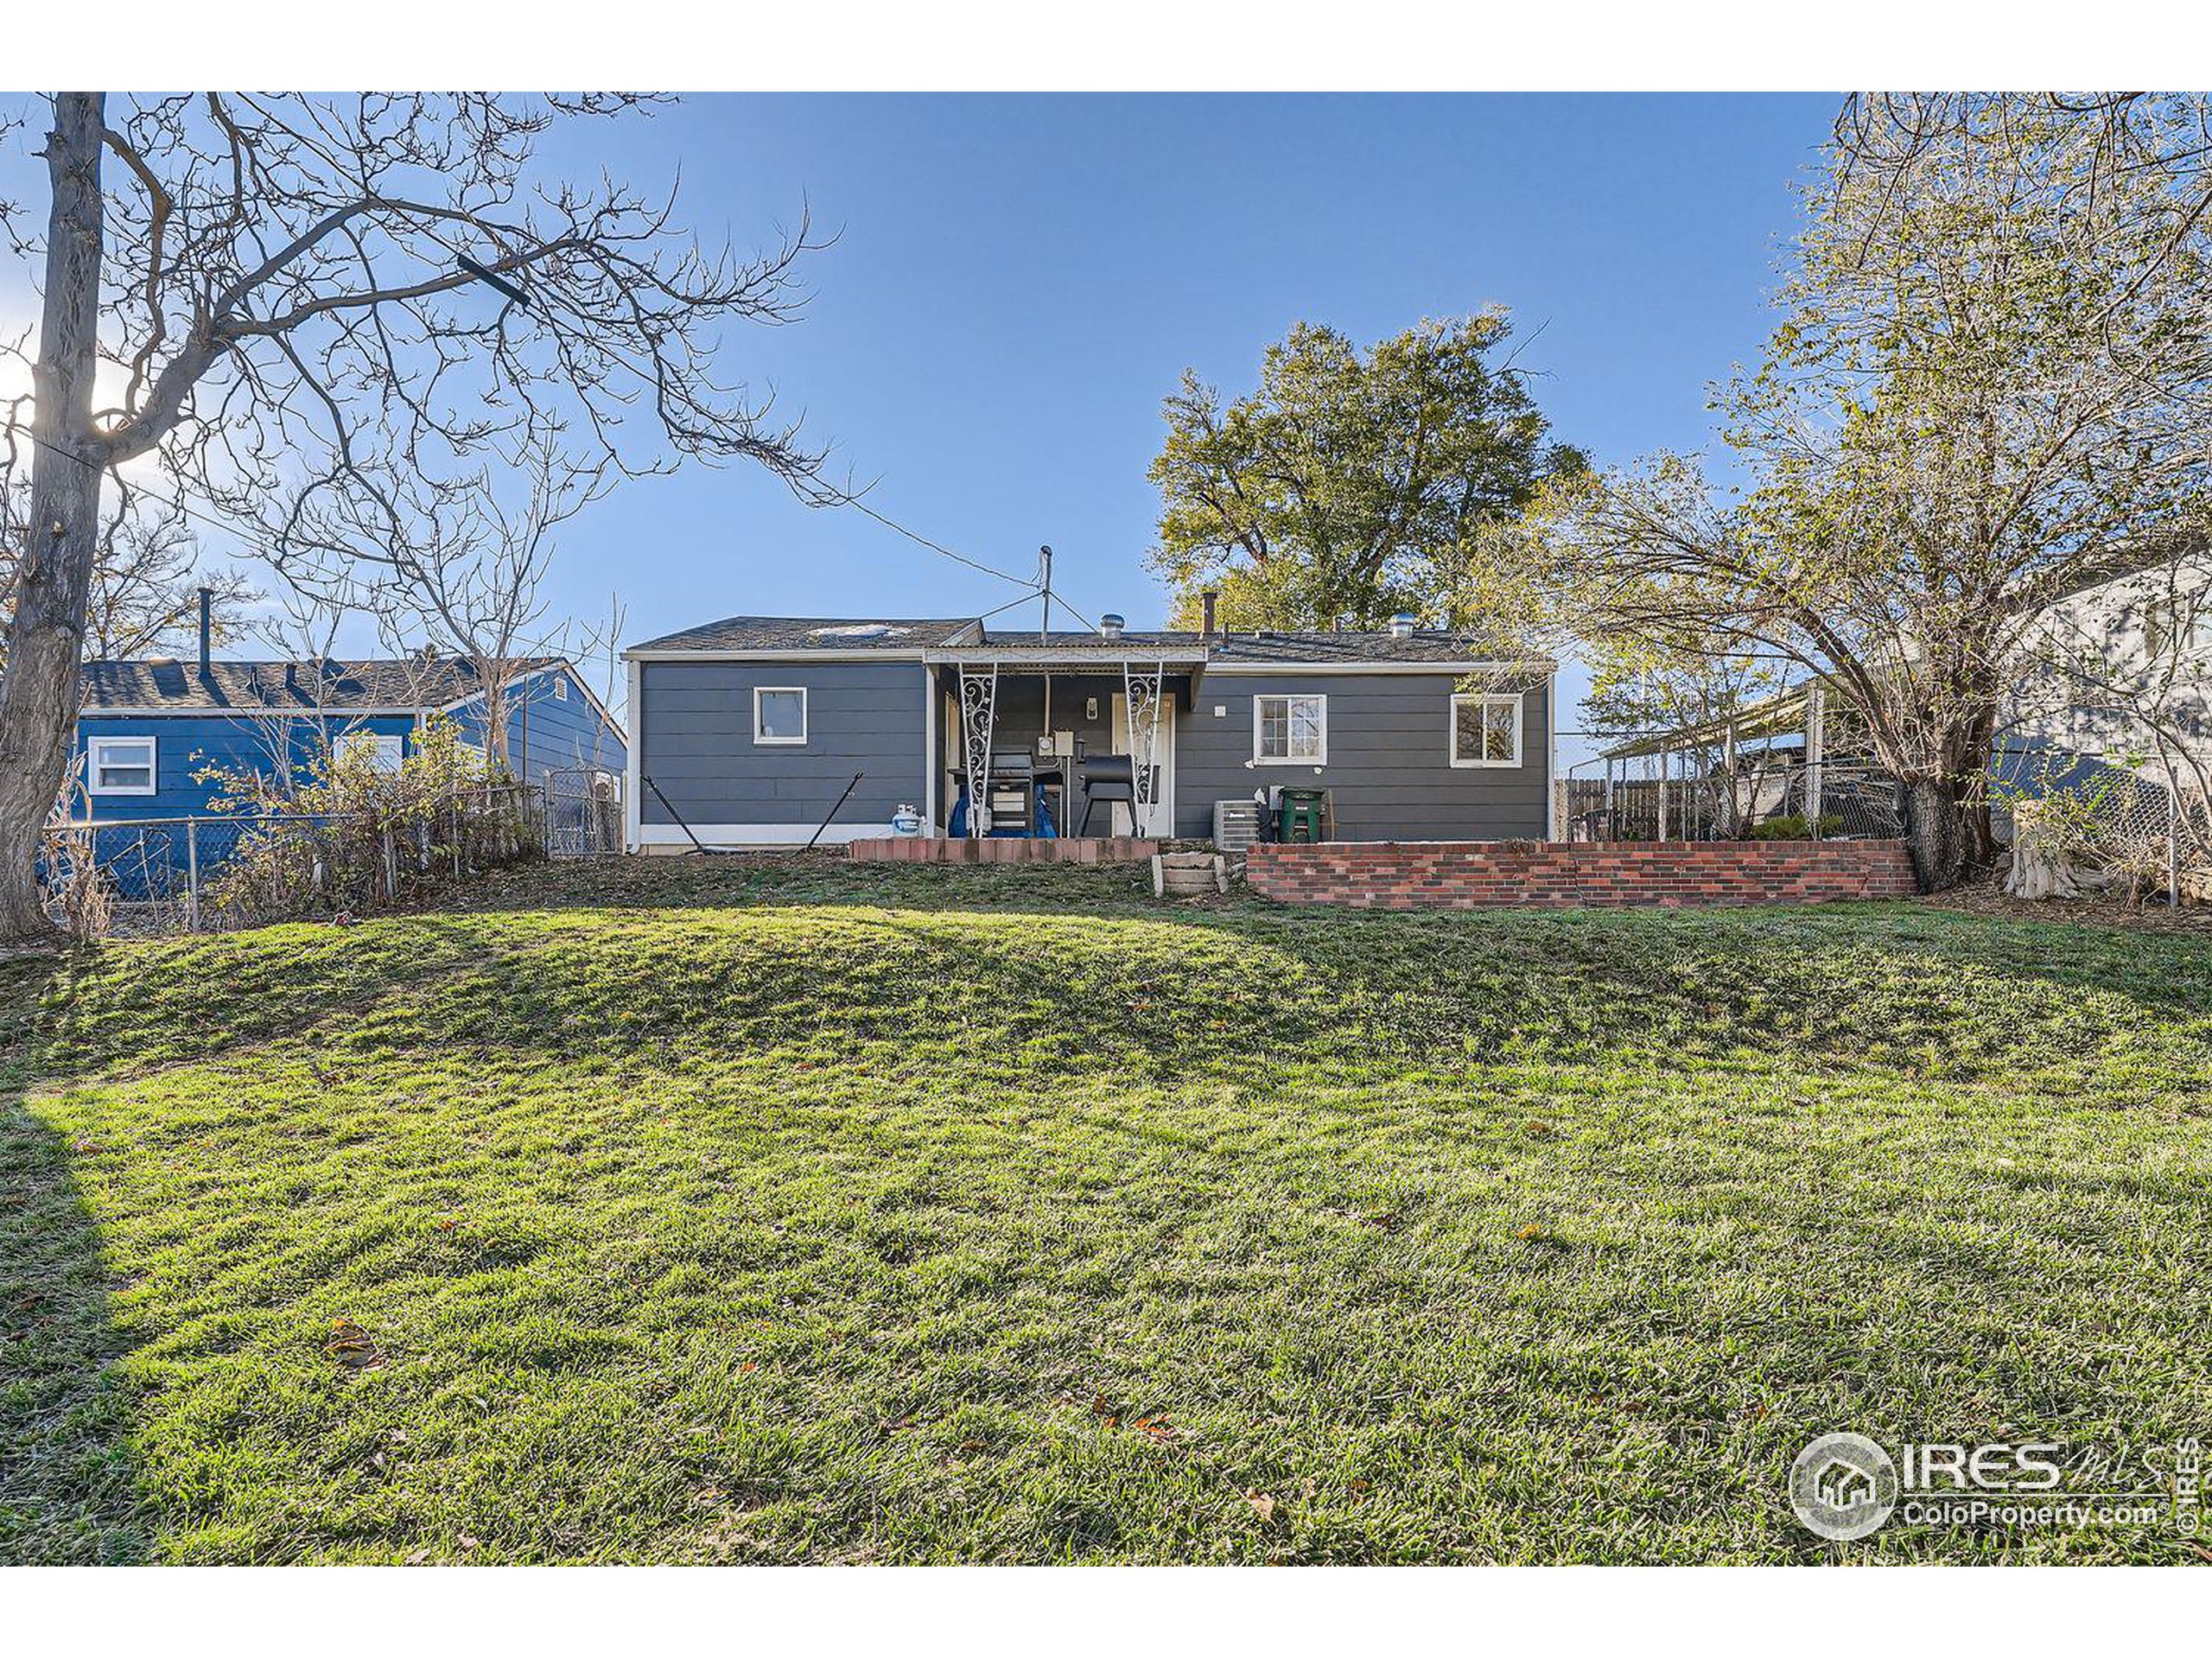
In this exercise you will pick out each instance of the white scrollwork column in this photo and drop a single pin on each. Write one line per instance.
(979, 698)
(1142, 692)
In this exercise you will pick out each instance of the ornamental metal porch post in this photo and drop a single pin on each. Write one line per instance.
(1816, 743)
(979, 701)
(1141, 692)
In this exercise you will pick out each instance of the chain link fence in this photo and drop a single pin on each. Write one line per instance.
(583, 811)
(1857, 802)
(2113, 817)
(141, 876)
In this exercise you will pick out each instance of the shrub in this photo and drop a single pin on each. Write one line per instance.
(1793, 827)
(347, 832)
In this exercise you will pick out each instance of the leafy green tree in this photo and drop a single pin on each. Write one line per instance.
(1347, 485)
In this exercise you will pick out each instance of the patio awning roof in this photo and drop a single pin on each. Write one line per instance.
(1106, 656)
(1783, 715)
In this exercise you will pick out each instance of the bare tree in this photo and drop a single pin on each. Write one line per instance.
(455, 565)
(1989, 389)
(299, 299)
(146, 576)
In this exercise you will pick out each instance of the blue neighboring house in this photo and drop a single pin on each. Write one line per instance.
(148, 726)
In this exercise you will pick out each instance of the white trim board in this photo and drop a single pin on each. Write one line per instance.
(272, 711)
(1532, 666)
(908, 654)
(633, 763)
(1105, 658)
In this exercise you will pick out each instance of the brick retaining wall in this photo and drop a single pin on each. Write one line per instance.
(1003, 849)
(1461, 874)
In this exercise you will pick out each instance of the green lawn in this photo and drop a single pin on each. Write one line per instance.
(710, 1211)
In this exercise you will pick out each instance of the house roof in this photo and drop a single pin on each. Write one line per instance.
(938, 637)
(275, 686)
(904, 634)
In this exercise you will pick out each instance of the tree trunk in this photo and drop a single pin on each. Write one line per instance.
(39, 696)
(1934, 831)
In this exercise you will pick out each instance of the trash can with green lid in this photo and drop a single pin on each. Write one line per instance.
(1301, 814)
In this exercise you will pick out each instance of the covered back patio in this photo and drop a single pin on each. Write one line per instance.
(1064, 742)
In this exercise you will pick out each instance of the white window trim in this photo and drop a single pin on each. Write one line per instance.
(388, 744)
(799, 691)
(94, 763)
(1452, 727)
(1259, 723)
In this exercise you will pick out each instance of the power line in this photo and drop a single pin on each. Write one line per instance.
(477, 271)
(843, 497)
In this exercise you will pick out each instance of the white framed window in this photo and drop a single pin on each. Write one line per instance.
(385, 750)
(779, 713)
(559, 687)
(2182, 621)
(1487, 729)
(121, 765)
(1291, 730)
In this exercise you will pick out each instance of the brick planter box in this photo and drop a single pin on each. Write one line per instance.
(1464, 874)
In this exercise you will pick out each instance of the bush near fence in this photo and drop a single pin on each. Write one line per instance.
(159, 875)
(346, 836)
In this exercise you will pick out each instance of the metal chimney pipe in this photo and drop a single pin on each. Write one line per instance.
(206, 632)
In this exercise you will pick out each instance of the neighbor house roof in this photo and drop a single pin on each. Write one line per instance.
(915, 636)
(264, 687)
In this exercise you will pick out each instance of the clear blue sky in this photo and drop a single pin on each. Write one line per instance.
(1019, 280)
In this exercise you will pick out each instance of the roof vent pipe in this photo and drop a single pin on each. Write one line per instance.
(1401, 626)
(1207, 599)
(206, 632)
(1111, 625)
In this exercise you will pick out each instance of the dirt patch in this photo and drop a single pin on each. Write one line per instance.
(1986, 897)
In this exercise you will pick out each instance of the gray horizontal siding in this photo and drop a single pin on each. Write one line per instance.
(1388, 770)
(695, 737)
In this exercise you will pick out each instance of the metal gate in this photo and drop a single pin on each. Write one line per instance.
(583, 811)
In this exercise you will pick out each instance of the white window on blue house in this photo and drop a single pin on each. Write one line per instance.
(559, 687)
(1486, 729)
(120, 765)
(1291, 730)
(382, 750)
(779, 713)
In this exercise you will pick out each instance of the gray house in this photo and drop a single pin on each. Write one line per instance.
(749, 729)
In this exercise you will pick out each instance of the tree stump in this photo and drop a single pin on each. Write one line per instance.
(2040, 866)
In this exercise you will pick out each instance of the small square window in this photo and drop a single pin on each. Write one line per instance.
(1291, 730)
(120, 765)
(1486, 729)
(779, 713)
(385, 750)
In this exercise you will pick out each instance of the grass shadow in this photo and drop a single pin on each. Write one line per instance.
(69, 1490)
